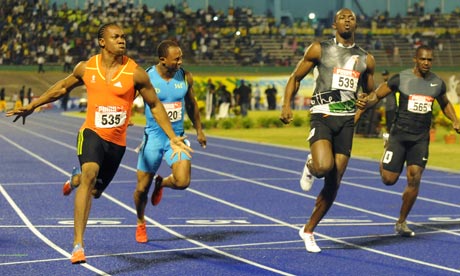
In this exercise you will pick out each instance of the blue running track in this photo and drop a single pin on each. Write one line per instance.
(240, 216)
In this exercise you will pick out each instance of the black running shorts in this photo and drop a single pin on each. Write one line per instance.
(92, 148)
(405, 147)
(338, 130)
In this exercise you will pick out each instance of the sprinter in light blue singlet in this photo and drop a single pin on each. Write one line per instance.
(171, 93)
(174, 88)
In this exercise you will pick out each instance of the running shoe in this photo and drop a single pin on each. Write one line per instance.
(157, 191)
(309, 240)
(306, 180)
(403, 230)
(141, 233)
(69, 185)
(78, 255)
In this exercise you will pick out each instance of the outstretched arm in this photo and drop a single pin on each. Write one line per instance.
(55, 92)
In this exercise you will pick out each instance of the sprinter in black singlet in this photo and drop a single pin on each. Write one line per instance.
(410, 134)
(343, 68)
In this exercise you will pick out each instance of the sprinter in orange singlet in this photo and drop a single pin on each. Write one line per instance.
(111, 80)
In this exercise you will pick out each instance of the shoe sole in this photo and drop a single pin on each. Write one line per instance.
(157, 194)
(407, 235)
(66, 189)
(141, 240)
(79, 258)
(306, 185)
(79, 262)
(301, 236)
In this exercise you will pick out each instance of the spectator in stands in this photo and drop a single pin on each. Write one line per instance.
(2, 100)
(225, 102)
(390, 104)
(30, 95)
(236, 92)
(211, 99)
(67, 63)
(41, 62)
(65, 101)
(332, 112)
(243, 98)
(22, 94)
(270, 93)
(395, 53)
(256, 97)
(16, 101)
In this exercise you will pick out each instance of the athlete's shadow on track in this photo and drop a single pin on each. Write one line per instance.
(213, 236)
(145, 262)
(424, 232)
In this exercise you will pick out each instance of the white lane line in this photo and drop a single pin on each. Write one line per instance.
(255, 213)
(42, 237)
(51, 139)
(204, 246)
(241, 247)
(312, 197)
(132, 210)
(233, 148)
(337, 240)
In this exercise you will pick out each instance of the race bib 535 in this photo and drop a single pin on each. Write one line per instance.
(109, 116)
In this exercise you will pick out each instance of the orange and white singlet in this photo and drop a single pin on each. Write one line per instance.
(109, 101)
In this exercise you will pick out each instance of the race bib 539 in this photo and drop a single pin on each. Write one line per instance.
(345, 79)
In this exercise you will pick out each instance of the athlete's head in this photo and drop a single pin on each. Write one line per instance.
(423, 59)
(111, 37)
(170, 55)
(345, 23)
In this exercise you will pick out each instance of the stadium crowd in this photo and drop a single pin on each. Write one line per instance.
(59, 34)
(57, 31)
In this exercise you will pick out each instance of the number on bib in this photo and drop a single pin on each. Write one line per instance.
(107, 119)
(344, 79)
(420, 103)
(387, 157)
(174, 111)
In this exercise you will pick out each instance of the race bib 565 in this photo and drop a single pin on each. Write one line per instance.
(420, 103)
